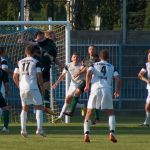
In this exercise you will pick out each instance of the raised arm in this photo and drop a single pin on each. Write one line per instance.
(61, 77)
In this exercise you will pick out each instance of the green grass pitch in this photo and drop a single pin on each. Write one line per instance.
(63, 136)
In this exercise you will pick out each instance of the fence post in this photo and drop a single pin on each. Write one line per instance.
(120, 73)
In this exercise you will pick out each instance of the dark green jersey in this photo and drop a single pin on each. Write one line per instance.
(49, 46)
(91, 60)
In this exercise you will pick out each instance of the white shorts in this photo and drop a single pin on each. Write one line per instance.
(100, 98)
(29, 97)
(72, 89)
(148, 97)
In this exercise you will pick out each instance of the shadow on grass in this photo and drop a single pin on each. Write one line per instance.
(67, 129)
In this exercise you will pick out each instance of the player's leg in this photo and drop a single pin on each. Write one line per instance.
(77, 93)
(147, 110)
(5, 108)
(90, 106)
(107, 104)
(65, 106)
(23, 119)
(96, 116)
(147, 118)
(39, 119)
(37, 101)
(25, 96)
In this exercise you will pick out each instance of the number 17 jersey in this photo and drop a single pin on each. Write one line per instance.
(102, 75)
(27, 69)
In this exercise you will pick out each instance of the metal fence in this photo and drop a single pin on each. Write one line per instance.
(128, 59)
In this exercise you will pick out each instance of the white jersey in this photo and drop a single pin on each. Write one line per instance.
(147, 70)
(27, 70)
(73, 70)
(102, 74)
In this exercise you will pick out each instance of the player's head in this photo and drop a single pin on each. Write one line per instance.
(50, 35)
(39, 36)
(2, 51)
(75, 57)
(91, 50)
(29, 50)
(104, 55)
(148, 55)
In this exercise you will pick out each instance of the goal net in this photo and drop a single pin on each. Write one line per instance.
(10, 32)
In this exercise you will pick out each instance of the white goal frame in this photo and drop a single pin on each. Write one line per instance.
(67, 43)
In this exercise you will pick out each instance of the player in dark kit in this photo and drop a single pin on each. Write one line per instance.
(3, 104)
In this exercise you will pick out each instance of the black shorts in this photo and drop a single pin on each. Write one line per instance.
(2, 102)
(82, 86)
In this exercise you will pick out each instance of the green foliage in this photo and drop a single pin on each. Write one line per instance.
(9, 9)
(136, 14)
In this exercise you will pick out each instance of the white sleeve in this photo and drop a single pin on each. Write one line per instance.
(16, 70)
(90, 69)
(64, 71)
(143, 70)
(38, 69)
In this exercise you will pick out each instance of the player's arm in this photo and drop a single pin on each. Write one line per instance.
(82, 71)
(4, 66)
(39, 77)
(118, 84)
(6, 83)
(88, 79)
(16, 76)
(141, 76)
(61, 77)
(22, 41)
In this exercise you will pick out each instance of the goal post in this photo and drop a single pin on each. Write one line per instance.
(10, 31)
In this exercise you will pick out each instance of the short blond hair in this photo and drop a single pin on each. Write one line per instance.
(49, 32)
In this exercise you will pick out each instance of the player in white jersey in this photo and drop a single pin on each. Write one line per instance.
(27, 76)
(77, 72)
(146, 70)
(100, 75)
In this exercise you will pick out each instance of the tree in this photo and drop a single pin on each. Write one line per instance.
(136, 14)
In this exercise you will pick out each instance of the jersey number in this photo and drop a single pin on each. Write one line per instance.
(25, 67)
(103, 70)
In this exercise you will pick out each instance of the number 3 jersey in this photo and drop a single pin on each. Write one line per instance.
(102, 74)
(27, 69)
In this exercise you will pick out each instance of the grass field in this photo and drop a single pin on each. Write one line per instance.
(70, 136)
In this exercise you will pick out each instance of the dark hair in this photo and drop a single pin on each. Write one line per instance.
(104, 54)
(29, 50)
(38, 33)
(75, 53)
